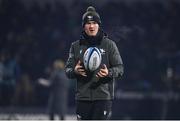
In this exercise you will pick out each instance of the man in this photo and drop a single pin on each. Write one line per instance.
(58, 91)
(95, 90)
(58, 86)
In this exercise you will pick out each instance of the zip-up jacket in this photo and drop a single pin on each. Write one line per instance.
(92, 88)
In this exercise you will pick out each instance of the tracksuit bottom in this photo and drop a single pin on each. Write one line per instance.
(94, 110)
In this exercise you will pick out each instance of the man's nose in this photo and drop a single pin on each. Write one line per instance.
(91, 25)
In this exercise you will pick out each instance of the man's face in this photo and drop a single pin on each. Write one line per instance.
(91, 28)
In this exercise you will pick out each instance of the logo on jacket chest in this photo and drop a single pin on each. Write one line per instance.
(102, 51)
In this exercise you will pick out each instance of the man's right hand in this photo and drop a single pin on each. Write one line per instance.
(79, 69)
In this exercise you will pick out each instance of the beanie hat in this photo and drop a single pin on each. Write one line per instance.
(91, 15)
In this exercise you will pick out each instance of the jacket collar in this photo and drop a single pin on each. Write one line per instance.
(96, 40)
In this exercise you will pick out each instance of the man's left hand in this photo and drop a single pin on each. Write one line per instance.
(103, 72)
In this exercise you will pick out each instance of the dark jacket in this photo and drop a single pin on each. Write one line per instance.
(90, 87)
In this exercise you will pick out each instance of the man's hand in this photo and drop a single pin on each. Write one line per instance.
(79, 69)
(103, 72)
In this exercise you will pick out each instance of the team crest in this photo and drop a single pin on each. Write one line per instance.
(90, 17)
(102, 51)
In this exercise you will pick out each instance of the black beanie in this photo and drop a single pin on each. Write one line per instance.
(91, 15)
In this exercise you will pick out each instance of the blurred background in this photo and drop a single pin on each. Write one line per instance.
(35, 33)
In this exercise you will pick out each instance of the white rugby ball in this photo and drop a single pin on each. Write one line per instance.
(92, 58)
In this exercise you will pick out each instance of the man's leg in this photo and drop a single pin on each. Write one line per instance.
(102, 110)
(84, 110)
(51, 116)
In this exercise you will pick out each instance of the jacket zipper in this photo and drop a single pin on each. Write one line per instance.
(91, 95)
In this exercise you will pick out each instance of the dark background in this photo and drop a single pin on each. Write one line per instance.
(34, 33)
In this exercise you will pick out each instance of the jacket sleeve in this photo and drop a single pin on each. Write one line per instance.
(70, 64)
(116, 68)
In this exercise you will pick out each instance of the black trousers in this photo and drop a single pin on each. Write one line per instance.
(94, 110)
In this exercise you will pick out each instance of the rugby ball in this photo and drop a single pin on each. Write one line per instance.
(92, 58)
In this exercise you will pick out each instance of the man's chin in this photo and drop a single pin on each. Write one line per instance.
(92, 35)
